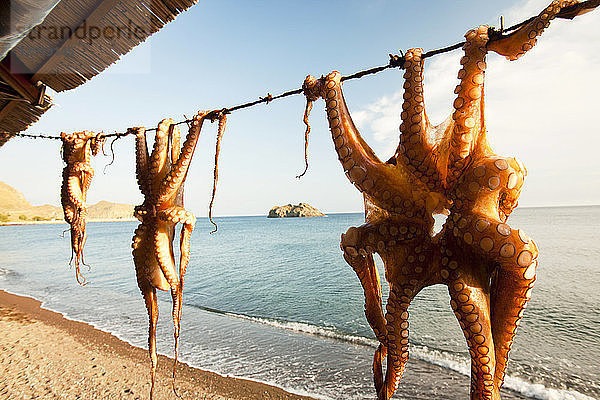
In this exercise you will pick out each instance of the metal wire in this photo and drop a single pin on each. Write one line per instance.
(396, 61)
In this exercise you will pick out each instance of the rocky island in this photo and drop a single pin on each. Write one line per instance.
(299, 210)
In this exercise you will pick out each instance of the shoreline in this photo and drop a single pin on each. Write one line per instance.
(46, 355)
(60, 221)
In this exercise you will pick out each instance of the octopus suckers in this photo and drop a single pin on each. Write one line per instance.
(486, 244)
(468, 238)
(503, 229)
(525, 258)
(523, 236)
(481, 225)
(507, 250)
(530, 272)
(512, 181)
(493, 182)
(501, 164)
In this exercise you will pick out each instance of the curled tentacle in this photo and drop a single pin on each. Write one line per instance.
(522, 40)
(310, 99)
(112, 154)
(222, 122)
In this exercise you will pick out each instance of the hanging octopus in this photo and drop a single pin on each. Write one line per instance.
(488, 266)
(77, 151)
(161, 177)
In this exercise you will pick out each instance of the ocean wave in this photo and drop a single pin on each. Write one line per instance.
(462, 365)
(4, 272)
(303, 327)
(454, 362)
(541, 392)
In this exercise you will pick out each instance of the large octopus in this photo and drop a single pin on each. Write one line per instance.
(161, 178)
(488, 267)
(77, 151)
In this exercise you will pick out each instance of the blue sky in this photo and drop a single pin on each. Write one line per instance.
(542, 108)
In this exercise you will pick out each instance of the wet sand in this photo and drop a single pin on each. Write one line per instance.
(45, 356)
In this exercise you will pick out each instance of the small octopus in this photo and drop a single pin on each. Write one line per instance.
(161, 177)
(77, 151)
(488, 266)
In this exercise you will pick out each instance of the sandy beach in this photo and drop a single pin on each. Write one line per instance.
(60, 221)
(45, 356)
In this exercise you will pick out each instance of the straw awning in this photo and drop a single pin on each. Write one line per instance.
(75, 41)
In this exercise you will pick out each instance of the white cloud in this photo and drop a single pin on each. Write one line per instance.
(542, 108)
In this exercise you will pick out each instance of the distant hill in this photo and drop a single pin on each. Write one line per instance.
(14, 207)
(11, 198)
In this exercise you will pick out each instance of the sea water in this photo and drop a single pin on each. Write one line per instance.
(273, 300)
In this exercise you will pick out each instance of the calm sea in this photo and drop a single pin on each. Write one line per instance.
(273, 300)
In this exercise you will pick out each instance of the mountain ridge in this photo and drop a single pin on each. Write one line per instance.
(14, 207)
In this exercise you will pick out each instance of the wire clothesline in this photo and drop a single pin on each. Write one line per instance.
(396, 61)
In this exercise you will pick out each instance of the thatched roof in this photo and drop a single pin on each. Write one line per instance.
(77, 40)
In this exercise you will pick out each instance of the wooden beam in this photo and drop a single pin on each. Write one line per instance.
(19, 83)
(101, 9)
(6, 110)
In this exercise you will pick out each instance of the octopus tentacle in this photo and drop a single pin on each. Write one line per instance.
(175, 215)
(86, 181)
(511, 290)
(144, 259)
(468, 105)
(141, 156)
(144, 267)
(307, 110)
(221, 130)
(175, 178)
(188, 220)
(366, 270)
(75, 192)
(386, 185)
(347, 140)
(174, 142)
(159, 167)
(522, 40)
(415, 147)
(163, 250)
(470, 303)
(401, 294)
(377, 236)
(151, 302)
